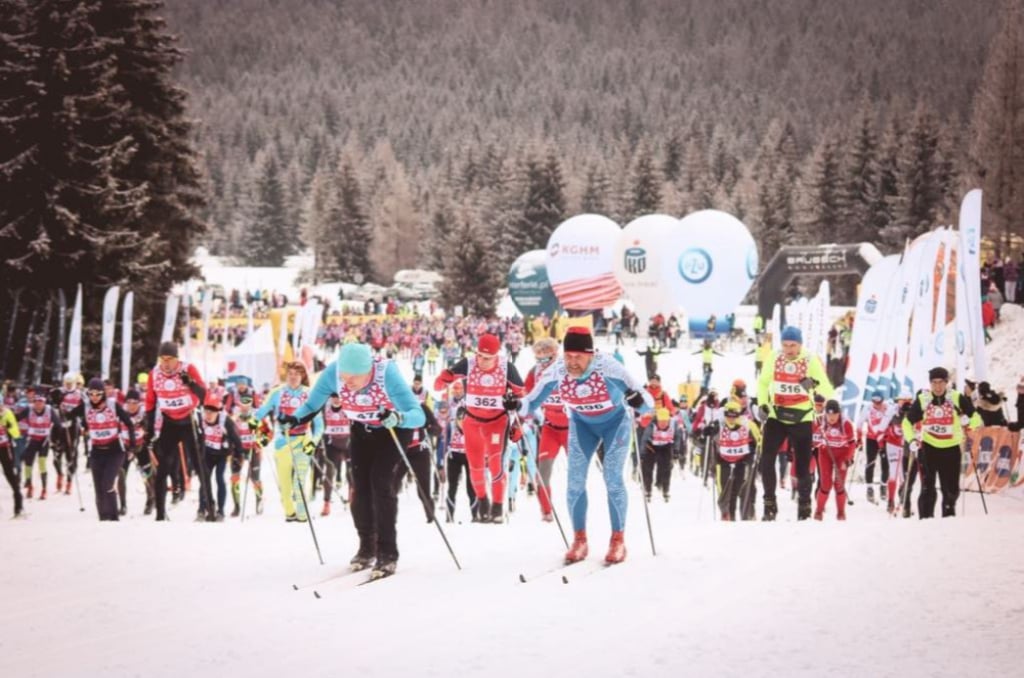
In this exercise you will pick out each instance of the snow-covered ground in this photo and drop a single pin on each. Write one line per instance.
(872, 596)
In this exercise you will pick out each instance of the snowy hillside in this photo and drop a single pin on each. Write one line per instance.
(873, 596)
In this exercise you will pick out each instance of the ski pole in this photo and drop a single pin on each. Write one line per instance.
(302, 495)
(437, 523)
(748, 483)
(245, 490)
(647, 510)
(205, 490)
(905, 498)
(547, 493)
(981, 489)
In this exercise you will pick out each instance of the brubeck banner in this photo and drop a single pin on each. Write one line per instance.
(529, 286)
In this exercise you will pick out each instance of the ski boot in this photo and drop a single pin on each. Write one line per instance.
(496, 514)
(803, 510)
(201, 516)
(291, 518)
(149, 507)
(42, 493)
(60, 483)
(383, 568)
(907, 513)
(219, 517)
(511, 504)
(123, 511)
(891, 507)
(726, 518)
(237, 511)
(483, 509)
(883, 492)
(616, 548)
(819, 514)
(259, 505)
(28, 489)
(770, 510)
(665, 496)
(67, 486)
(363, 558)
(871, 495)
(547, 517)
(326, 510)
(578, 551)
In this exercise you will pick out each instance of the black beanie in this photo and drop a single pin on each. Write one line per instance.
(168, 348)
(578, 340)
(938, 373)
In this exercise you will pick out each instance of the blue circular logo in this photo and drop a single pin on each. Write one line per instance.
(695, 265)
(752, 262)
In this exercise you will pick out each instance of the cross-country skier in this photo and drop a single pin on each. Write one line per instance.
(43, 423)
(379, 403)
(455, 464)
(337, 432)
(876, 418)
(599, 394)
(8, 433)
(252, 452)
(658, 444)
(175, 389)
(554, 429)
(293, 446)
(220, 439)
(104, 423)
(785, 391)
(942, 414)
(133, 408)
(738, 439)
(65, 442)
(838, 443)
(895, 448)
(493, 388)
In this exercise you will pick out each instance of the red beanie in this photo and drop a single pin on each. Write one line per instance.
(578, 340)
(488, 343)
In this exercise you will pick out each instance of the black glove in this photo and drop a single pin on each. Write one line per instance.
(510, 402)
(388, 418)
(765, 411)
(634, 399)
(186, 378)
(288, 420)
(808, 383)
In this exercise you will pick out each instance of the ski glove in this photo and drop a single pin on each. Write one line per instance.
(309, 447)
(915, 446)
(510, 402)
(186, 378)
(808, 383)
(389, 418)
(634, 399)
(288, 421)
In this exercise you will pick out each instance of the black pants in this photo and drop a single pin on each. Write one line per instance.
(375, 462)
(122, 477)
(216, 464)
(7, 461)
(944, 462)
(105, 464)
(65, 450)
(420, 459)
(334, 456)
(168, 459)
(799, 437)
(33, 450)
(454, 468)
(731, 478)
(659, 456)
(872, 450)
(909, 474)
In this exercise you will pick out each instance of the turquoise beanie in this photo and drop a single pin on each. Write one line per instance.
(355, 359)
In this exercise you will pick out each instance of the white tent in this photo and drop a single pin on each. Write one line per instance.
(255, 357)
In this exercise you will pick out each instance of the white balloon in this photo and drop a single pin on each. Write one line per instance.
(580, 262)
(710, 266)
(638, 264)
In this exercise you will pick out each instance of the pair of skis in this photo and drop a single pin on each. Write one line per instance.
(346, 577)
(578, 572)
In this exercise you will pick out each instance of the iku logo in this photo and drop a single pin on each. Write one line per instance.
(695, 265)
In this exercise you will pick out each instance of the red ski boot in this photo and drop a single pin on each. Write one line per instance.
(578, 551)
(28, 490)
(616, 548)
(326, 510)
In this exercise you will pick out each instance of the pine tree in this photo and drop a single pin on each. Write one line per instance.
(270, 242)
(821, 195)
(351, 226)
(997, 126)
(596, 192)
(922, 181)
(646, 186)
(673, 163)
(468, 280)
(442, 222)
(544, 206)
(696, 183)
(862, 211)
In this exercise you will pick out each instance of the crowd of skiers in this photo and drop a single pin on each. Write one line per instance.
(363, 427)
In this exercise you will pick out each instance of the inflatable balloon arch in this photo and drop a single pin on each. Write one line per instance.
(702, 264)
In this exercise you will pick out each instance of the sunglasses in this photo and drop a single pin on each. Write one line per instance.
(96, 394)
